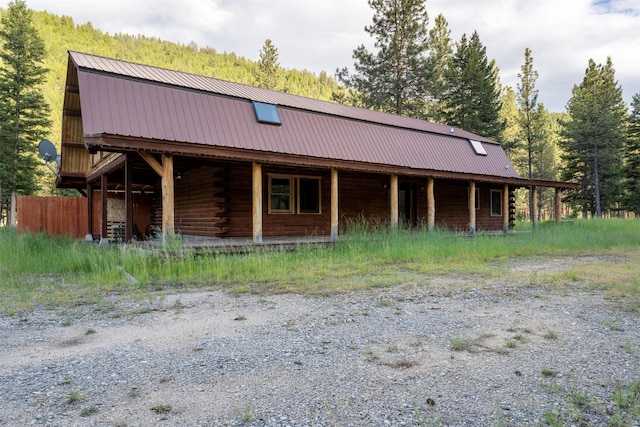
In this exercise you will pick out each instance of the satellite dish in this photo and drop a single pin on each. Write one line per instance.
(49, 154)
(47, 150)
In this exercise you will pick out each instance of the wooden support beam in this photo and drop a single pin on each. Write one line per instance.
(128, 201)
(393, 202)
(89, 235)
(431, 205)
(472, 207)
(72, 113)
(168, 198)
(257, 202)
(505, 208)
(103, 205)
(151, 161)
(558, 205)
(334, 205)
(534, 206)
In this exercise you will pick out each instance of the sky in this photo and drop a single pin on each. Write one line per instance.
(320, 35)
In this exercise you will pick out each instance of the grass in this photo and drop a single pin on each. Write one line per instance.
(74, 396)
(466, 343)
(581, 408)
(58, 272)
(161, 409)
(89, 410)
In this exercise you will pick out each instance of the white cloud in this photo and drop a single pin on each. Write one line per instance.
(321, 35)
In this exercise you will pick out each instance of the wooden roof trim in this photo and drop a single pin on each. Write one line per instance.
(106, 167)
(118, 143)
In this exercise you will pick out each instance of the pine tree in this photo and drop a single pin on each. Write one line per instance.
(593, 139)
(23, 111)
(632, 159)
(472, 98)
(393, 79)
(528, 118)
(268, 66)
(440, 53)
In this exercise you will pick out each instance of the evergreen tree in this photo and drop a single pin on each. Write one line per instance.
(593, 139)
(632, 159)
(393, 79)
(472, 98)
(509, 114)
(440, 53)
(268, 66)
(528, 118)
(23, 111)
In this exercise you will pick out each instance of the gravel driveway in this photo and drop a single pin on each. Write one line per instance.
(448, 352)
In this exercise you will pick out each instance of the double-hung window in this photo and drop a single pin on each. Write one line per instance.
(280, 194)
(294, 194)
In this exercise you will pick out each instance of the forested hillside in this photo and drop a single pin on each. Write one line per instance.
(61, 34)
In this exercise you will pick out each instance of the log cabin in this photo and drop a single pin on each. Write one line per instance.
(168, 152)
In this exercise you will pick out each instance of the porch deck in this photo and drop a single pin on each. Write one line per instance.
(213, 245)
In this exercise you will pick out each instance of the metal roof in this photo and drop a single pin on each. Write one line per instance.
(133, 100)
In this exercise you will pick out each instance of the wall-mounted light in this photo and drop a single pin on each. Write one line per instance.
(178, 175)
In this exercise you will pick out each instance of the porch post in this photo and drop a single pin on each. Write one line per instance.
(534, 206)
(128, 201)
(168, 198)
(558, 205)
(334, 204)
(393, 201)
(472, 207)
(257, 201)
(103, 205)
(505, 208)
(431, 205)
(89, 235)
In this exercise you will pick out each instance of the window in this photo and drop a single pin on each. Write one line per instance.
(496, 202)
(280, 194)
(477, 198)
(306, 189)
(308, 195)
(266, 113)
(478, 148)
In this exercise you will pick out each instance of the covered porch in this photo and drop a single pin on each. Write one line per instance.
(227, 204)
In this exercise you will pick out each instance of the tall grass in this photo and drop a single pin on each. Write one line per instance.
(41, 270)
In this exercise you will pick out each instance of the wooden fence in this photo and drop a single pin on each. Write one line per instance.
(53, 215)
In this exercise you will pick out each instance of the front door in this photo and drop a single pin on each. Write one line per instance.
(407, 203)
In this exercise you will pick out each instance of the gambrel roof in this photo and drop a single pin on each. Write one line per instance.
(127, 106)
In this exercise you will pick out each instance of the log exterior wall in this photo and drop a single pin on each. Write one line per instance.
(451, 200)
(363, 197)
(200, 203)
(214, 199)
(274, 224)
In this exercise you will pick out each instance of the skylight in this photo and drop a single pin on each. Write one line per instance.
(266, 113)
(478, 148)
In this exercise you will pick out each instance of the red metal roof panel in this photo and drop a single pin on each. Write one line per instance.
(114, 105)
(222, 87)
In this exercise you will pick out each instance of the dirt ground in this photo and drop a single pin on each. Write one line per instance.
(381, 357)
